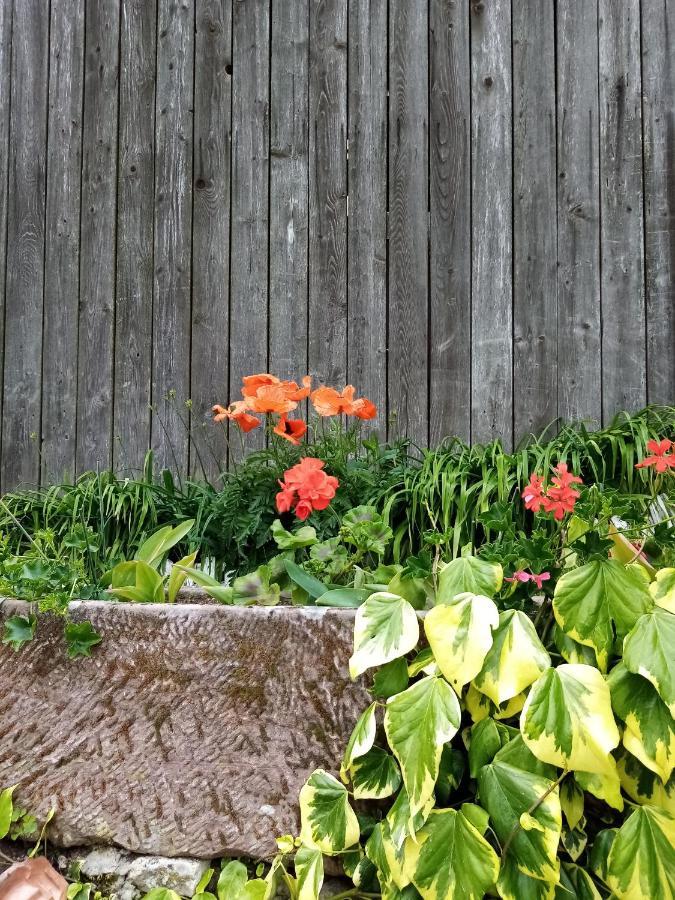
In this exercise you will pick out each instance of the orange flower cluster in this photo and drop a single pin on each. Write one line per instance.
(660, 458)
(558, 499)
(266, 394)
(307, 486)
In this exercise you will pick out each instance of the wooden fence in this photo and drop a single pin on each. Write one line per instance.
(466, 209)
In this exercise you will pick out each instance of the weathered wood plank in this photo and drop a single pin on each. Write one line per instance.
(535, 272)
(450, 220)
(408, 221)
(250, 207)
(579, 360)
(658, 91)
(97, 236)
(5, 79)
(211, 231)
(62, 240)
(624, 376)
(25, 245)
(133, 321)
(367, 219)
(491, 165)
(328, 191)
(289, 182)
(173, 233)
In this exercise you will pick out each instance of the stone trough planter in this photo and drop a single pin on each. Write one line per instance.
(188, 732)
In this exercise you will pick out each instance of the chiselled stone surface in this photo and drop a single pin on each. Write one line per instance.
(188, 732)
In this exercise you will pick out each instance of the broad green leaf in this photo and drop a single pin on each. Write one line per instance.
(375, 775)
(204, 895)
(178, 575)
(579, 882)
(479, 817)
(571, 651)
(644, 786)
(451, 858)
(160, 893)
(567, 720)
(159, 543)
(361, 740)
(304, 536)
(232, 880)
(515, 660)
(385, 628)
(571, 802)
(410, 588)
(400, 824)
(391, 678)
(19, 630)
(204, 881)
(6, 810)
(199, 577)
(599, 602)
(663, 589)
(309, 873)
(80, 638)
(574, 840)
(313, 586)
(468, 574)
(605, 786)
(460, 634)
(123, 574)
(649, 731)
(508, 794)
(417, 723)
(516, 885)
(480, 706)
(255, 588)
(328, 821)
(641, 861)
(486, 738)
(649, 650)
(450, 774)
(599, 853)
(518, 755)
(148, 585)
(344, 598)
(425, 662)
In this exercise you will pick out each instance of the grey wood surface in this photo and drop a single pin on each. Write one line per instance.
(464, 208)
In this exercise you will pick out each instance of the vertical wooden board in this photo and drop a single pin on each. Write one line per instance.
(579, 345)
(491, 150)
(135, 187)
(367, 219)
(211, 231)
(5, 80)
(658, 95)
(535, 271)
(25, 245)
(250, 198)
(328, 191)
(408, 221)
(97, 236)
(624, 376)
(173, 234)
(450, 220)
(289, 175)
(62, 241)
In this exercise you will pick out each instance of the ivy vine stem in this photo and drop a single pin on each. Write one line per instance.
(535, 806)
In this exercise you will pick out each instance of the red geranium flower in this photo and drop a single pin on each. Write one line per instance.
(313, 487)
(660, 458)
(533, 494)
(559, 498)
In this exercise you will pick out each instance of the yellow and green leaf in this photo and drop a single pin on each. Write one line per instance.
(567, 720)
(605, 786)
(375, 775)
(328, 823)
(571, 651)
(361, 740)
(649, 650)
(309, 873)
(480, 706)
(516, 885)
(460, 634)
(663, 589)
(468, 574)
(644, 786)
(515, 660)
(385, 628)
(571, 802)
(641, 864)
(578, 882)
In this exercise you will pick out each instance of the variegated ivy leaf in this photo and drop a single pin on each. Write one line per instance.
(460, 634)
(417, 723)
(361, 740)
(518, 755)
(571, 651)
(468, 574)
(508, 794)
(515, 660)
(385, 628)
(641, 862)
(649, 650)
(516, 885)
(567, 720)
(400, 824)
(401, 865)
(328, 822)
(451, 859)
(479, 706)
(644, 786)
(649, 731)
(605, 786)
(599, 601)
(486, 738)
(572, 802)
(578, 882)
(375, 775)
(574, 840)
(663, 589)
(309, 873)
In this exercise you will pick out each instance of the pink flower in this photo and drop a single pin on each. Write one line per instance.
(523, 577)
(520, 575)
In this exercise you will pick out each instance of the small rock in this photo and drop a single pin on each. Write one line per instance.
(32, 879)
(178, 874)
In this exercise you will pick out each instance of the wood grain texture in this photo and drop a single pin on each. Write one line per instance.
(250, 199)
(173, 233)
(624, 363)
(135, 196)
(367, 212)
(211, 232)
(25, 245)
(408, 221)
(6, 10)
(579, 343)
(62, 241)
(188, 732)
(658, 107)
(491, 173)
(289, 189)
(535, 273)
(328, 191)
(98, 236)
(450, 221)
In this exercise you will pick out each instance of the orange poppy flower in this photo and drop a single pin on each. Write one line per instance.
(219, 413)
(362, 409)
(291, 429)
(328, 402)
(271, 398)
(253, 382)
(293, 392)
(236, 412)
